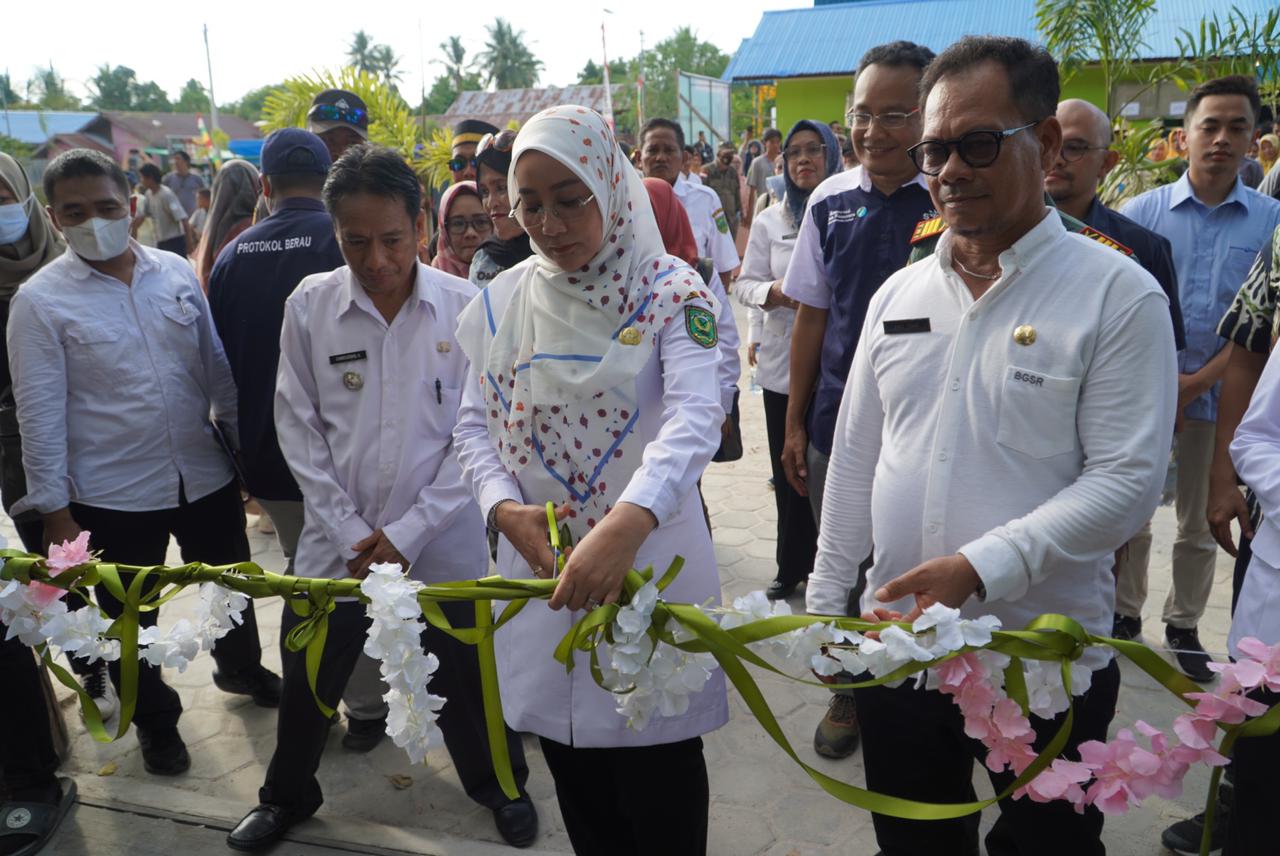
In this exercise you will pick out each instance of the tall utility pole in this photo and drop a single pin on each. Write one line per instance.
(213, 104)
(640, 88)
(608, 90)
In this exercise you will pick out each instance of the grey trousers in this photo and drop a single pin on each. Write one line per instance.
(1195, 553)
(363, 694)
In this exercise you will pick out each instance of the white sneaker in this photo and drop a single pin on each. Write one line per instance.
(99, 687)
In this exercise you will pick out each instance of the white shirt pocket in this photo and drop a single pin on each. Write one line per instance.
(1038, 413)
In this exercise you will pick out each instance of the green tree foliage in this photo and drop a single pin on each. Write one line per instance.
(118, 88)
(593, 75)
(250, 106)
(48, 91)
(192, 98)
(151, 98)
(16, 148)
(442, 93)
(377, 60)
(506, 61)
(682, 51)
(8, 96)
(455, 63)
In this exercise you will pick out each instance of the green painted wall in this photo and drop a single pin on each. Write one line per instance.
(1087, 84)
(820, 98)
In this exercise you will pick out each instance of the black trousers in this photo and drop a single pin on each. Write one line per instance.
(209, 530)
(914, 746)
(1251, 821)
(797, 531)
(302, 729)
(177, 246)
(633, 801)
(27, 757)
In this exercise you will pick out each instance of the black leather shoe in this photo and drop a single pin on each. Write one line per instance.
(779, 590)
(262, 826)
(363, 734)
(517, 822)
(163, 752)
(258, 681)
(1126, 627)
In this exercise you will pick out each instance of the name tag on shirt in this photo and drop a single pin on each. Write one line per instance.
(906, 325)
(350, 357)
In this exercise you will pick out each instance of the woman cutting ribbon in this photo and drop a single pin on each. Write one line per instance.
(594, 386)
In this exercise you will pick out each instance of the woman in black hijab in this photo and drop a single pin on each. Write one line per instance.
(509, 245)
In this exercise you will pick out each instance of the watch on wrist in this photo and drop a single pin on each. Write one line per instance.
(491, 519)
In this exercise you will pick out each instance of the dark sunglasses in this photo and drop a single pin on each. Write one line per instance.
(333, 113)
(977, 148)
(499, 142)
(459, 164)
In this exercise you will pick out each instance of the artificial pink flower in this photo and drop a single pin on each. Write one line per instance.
(1230, 708)
(1061, 780)
(1195, 730)
(68, 555)
(955, 673)
(1268, 656)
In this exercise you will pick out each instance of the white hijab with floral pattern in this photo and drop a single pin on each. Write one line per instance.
(559, 366)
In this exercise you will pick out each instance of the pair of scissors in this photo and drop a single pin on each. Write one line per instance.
(557, 564)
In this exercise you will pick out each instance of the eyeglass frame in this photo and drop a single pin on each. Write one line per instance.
(822, 150)
(576, 205)
(1083, 151)
(953, 146)
(469, 223)
(878, 118)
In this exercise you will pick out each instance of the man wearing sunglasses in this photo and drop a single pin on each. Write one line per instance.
(466, 136)
(1003, 432)
(340, 118)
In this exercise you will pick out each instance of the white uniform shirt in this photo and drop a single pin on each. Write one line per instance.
(1033, 461)
(114, 384)
(365, 412)
(1255, 450)
(679, 421)
(773, 237)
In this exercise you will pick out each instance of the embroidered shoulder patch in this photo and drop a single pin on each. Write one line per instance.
(928, 227)
(701, 326)
(1105, 240)
(721, 222)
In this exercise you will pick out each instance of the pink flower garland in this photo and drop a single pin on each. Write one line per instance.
(1119, 774)
(62, 557)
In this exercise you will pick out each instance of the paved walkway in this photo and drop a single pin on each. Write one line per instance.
(761, 802)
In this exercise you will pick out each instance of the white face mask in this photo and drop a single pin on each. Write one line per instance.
(13, 222)
(98, 239)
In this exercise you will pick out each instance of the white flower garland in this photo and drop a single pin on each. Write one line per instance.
(395, 638)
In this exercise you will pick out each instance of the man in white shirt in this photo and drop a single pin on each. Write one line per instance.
(367, 396)
(1001, 434)
(115, 367)
(174, 233)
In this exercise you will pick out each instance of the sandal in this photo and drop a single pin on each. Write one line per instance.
(37, 821)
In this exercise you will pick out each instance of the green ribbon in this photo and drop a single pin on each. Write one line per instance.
(1049, 638)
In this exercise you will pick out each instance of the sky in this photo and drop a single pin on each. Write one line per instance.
(264, 42)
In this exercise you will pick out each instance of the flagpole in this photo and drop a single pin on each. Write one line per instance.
(213, 104)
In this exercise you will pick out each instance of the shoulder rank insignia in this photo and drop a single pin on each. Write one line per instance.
(931, 225)
(722, 222)
(1105, 240)
(701, 325)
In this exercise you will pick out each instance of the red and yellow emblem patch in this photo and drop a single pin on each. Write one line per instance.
(927, 228)
(1105, 240)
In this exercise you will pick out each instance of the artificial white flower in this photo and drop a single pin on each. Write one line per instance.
(80, 632)
(174, 649)
(218, 611)
(1046, 697)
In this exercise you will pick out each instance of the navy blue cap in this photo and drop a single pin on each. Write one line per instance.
(293, 150)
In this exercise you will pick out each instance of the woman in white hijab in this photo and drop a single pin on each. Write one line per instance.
(594, 386)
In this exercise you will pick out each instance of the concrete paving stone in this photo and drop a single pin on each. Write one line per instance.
(737, 831)
(752, 500)
(748, 520)
(727, 555)
(760, 548)
(726, 536)
(806, 819)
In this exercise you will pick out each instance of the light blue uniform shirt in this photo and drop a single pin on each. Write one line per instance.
(1212, 251)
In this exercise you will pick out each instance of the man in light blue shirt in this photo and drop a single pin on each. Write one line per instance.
(1216, 226)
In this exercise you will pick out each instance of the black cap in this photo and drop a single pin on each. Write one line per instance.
(338, 108)
(471, 131)
(294, 151)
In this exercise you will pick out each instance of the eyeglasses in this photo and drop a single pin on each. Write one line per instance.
(480, 224)
(889, 121)
(333, 113)
(977, 148)
(535, 215)
(1073, 150)
(499, 142)
(813, 151)
(459, 164)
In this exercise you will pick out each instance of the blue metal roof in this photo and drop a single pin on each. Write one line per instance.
(37, 126)
(830, 39)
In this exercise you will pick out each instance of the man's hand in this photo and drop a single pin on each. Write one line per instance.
(753, 351)
(376, 549)
(776, 298)
(1226, 503)
(594, 572)
(948, 580)
(60, 526)
(794, 463)
(525, 526)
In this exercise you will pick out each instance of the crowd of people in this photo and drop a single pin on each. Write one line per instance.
(974, 374)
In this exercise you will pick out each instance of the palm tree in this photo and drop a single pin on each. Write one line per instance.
(507, 63)
(455, 65)
(360, 54)
(384, 64)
